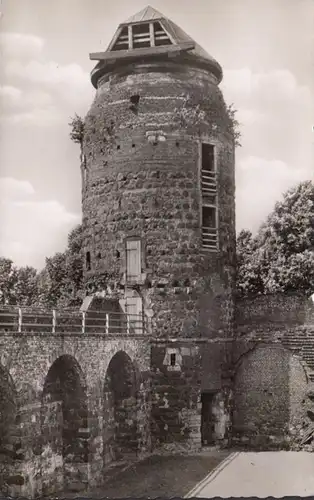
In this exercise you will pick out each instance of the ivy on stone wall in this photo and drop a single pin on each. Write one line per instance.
(208, 110)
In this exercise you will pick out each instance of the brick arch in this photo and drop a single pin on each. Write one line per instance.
(262, 394)
(64, 411)
(121, 390)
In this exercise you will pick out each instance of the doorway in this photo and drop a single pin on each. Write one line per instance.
(207, 420)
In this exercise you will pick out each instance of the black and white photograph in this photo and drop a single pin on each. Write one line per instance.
(156, 249)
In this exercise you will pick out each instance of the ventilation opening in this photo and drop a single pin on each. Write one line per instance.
(88, 261)
(161, 37)
(172, 359)
(123, 41)
(141, 36)
(135, 99)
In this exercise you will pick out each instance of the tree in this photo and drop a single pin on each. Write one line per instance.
(60, 282)
(26, 286)
(8, 279)
(280, 258)
(77, 129)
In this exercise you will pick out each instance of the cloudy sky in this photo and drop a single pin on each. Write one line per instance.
(266, 49)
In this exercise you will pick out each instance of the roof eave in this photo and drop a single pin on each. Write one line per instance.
(107, 66)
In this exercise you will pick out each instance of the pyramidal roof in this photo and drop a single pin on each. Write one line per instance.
(147, 14)
(147, 34)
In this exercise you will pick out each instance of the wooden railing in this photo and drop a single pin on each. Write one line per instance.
(29, 320)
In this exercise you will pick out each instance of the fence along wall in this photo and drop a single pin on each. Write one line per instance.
(43, 417)
(24, 320)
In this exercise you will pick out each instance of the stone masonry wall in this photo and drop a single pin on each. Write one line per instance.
(273, 356)
(37, 464)
(141, 177)
(135, 187)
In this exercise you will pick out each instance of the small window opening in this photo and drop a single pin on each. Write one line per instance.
(172, 359)
(99, 255)
(88, 261)
(135, 99)
(133, 145)
(177, 144)
(117, 254)
(118, 146)
(208, 164)
(209, 217)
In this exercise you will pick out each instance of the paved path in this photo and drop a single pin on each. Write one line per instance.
(261, 474)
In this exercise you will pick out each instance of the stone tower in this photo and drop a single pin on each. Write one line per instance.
(158, 189)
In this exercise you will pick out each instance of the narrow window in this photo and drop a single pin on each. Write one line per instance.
(133, 260)
(88, 261)
(172, 359)
(209, 217)
(209, 197)
(208, 164)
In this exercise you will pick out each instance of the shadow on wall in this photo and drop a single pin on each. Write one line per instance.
(120, 435)
(63, 425)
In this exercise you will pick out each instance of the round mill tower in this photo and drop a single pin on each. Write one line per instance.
(159, 214)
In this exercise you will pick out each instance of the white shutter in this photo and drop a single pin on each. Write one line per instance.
(133, 259)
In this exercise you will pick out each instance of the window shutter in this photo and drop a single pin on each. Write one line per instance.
(133, 259)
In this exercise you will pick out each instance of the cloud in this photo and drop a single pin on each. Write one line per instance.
(280, 84)
(38, 91)
(31, 229)
(275, 114)
(48, 73)
(260, 184)
(20, 46)
(14, 189)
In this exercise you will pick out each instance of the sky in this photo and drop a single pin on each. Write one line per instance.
(266, 49)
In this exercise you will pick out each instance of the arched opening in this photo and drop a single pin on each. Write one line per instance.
(64, 412)
(120, 409)
(9, 433)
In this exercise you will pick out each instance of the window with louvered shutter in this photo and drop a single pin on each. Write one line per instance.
(209, 198)
(133, 260)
